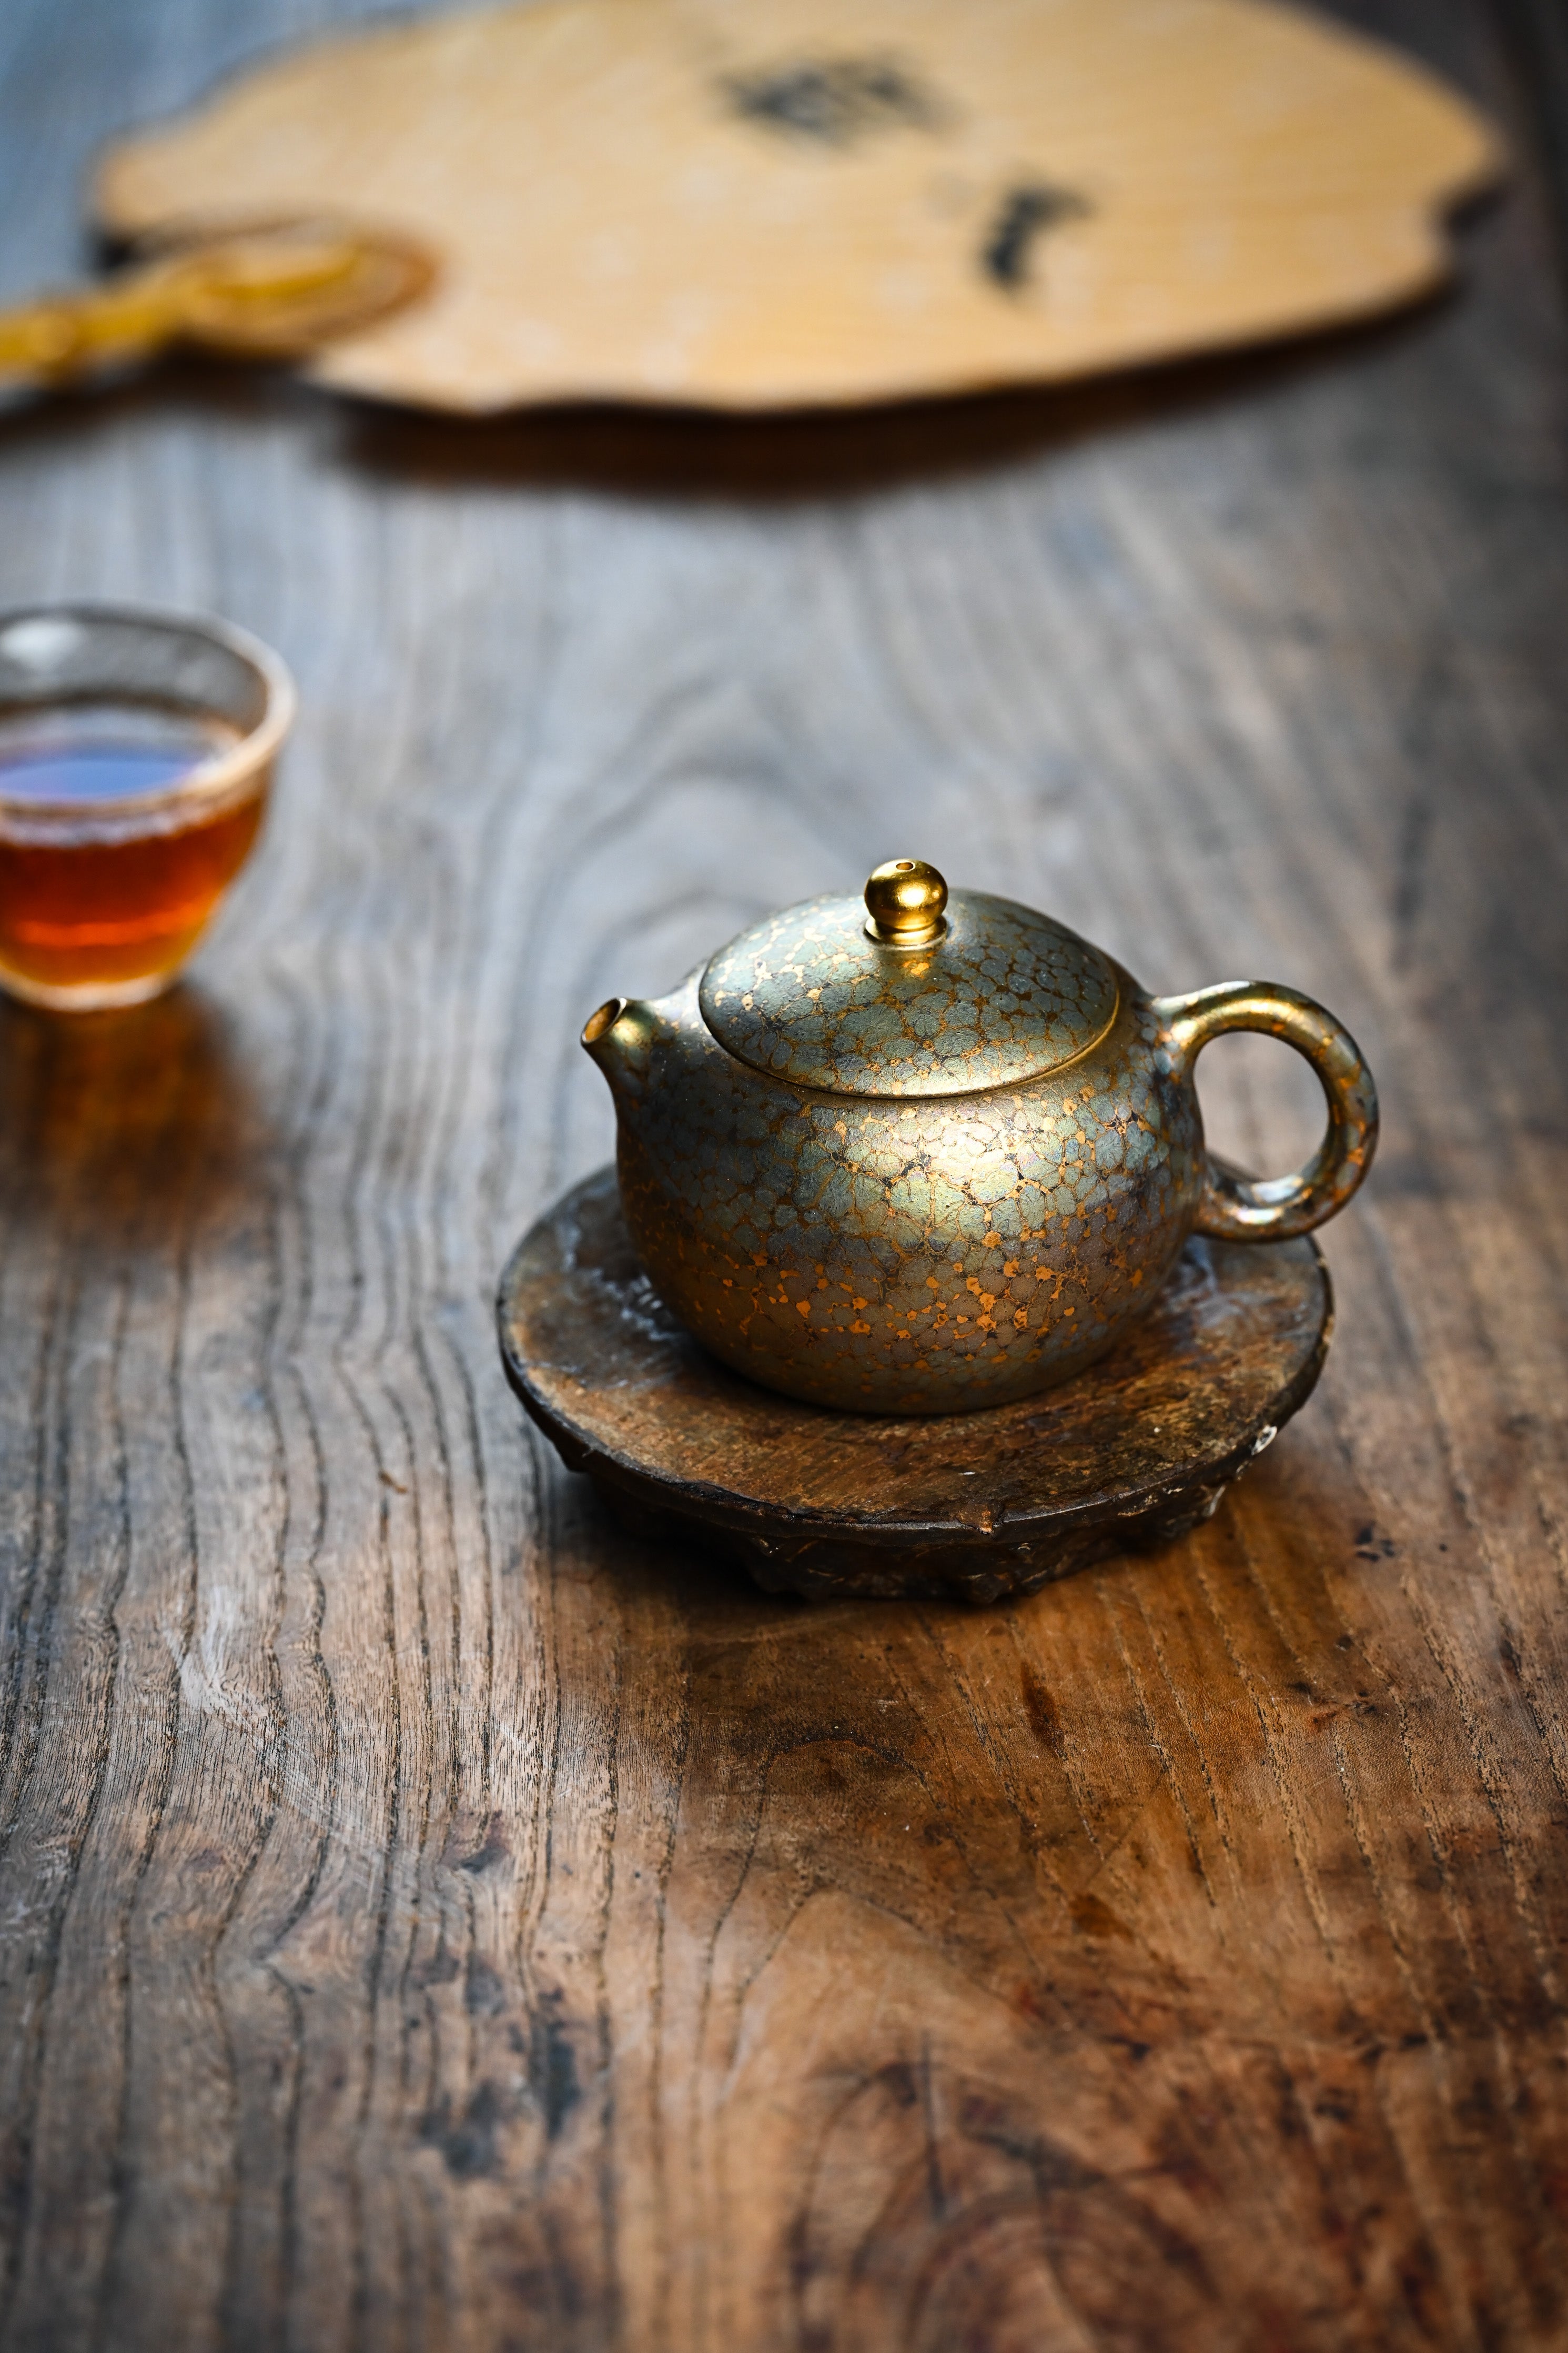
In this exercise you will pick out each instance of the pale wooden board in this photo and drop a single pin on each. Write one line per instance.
(629, 203)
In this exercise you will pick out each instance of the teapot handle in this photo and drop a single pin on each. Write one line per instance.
(1273, 1211)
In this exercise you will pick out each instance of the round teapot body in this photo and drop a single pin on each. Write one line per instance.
(896, 1255)
(934, 1152)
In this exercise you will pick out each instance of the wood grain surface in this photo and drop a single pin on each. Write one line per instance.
(430, 1918)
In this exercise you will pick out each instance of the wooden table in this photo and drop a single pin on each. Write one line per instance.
(432, 1919)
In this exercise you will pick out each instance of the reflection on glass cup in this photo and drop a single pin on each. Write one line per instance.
(135, 755)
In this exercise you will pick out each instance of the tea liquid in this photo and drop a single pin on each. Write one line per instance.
(94, 898)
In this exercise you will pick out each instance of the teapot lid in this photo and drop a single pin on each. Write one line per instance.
(914, 991)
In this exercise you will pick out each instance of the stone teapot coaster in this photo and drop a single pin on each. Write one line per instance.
(972, 1506)
(743, 207)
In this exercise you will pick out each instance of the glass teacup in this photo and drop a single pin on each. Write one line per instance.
(136, 750)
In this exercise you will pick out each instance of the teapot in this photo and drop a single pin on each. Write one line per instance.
(928, 1151)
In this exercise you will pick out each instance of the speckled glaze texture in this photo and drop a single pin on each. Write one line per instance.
(918, 1237)
(904, 1256)
(1003, 994)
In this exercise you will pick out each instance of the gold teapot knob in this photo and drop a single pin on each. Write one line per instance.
(904, 899)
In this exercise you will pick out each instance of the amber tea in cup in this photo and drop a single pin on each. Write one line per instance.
(135, 756)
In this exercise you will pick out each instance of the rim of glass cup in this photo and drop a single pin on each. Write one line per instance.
(198, 791)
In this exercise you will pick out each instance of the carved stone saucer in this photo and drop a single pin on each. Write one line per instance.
(972, 1506)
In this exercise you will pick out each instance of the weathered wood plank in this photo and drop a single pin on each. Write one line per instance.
(427, 1916)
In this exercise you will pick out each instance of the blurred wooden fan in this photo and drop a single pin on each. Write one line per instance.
(271, 290)
(778, 203)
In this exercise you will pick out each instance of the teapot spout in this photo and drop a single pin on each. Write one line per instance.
(619, 1036)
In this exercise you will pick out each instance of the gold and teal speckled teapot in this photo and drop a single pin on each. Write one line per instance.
(928, 1151)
